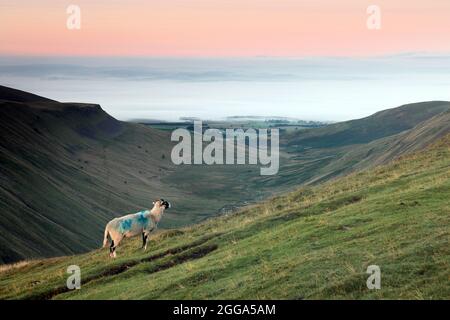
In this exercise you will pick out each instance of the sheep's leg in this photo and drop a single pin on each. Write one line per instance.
(114, 244)
(112, 250)
(145, 235)
(144, 239)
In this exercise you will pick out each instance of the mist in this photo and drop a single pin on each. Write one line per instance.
(325, 89)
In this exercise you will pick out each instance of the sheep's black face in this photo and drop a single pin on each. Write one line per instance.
(165, 203)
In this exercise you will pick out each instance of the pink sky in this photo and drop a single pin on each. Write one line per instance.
(223, 27)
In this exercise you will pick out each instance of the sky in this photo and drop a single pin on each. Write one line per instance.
(166, 59)
(223, 27)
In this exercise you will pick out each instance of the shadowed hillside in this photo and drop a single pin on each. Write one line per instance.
(66, 168)
(313, 243)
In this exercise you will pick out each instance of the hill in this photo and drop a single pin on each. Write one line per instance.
(316, 155)
(67, 168)
(379, 125)
(319, 154)
(315, 242)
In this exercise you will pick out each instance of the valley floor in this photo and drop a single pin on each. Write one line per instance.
(314, 243)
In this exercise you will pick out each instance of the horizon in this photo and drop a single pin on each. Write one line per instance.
(168, 88)
(319, 61)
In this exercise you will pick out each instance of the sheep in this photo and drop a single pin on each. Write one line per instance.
(133, 224)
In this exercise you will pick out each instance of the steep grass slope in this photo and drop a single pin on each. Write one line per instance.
(65, 169)
(316, 242)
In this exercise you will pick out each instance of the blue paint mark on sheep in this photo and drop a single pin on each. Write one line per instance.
(125, 225)
(142, 219)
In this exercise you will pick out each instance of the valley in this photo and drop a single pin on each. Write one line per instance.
(68, 168)
(313, 243)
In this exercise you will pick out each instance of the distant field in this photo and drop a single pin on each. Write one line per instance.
(241, 124)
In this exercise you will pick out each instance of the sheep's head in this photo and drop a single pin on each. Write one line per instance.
(162, 203)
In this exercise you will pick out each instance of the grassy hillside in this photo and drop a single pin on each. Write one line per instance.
(320, 154)
(379, 125)
(315, 242)
(68, 168)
